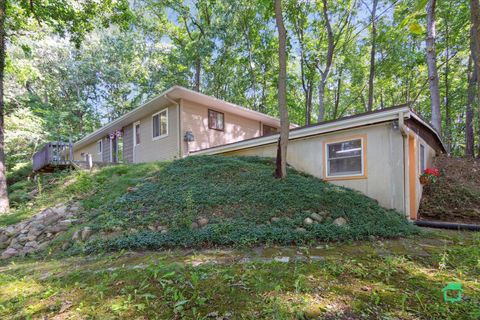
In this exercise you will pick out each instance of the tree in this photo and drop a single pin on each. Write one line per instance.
(373, 23)
(281, 169)
(65, 18)
(475, 77)
(436, 119)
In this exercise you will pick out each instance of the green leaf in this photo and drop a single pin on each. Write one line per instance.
(415, 28)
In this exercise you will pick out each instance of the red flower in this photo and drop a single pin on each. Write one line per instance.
(432, 171)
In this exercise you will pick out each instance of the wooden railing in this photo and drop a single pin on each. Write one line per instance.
(53, 154)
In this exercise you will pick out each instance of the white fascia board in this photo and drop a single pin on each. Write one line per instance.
(368, 119)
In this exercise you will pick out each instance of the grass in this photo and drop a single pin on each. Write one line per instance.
(393, 279)
(238, 195)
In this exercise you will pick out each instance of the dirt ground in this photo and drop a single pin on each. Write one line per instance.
(455, 196)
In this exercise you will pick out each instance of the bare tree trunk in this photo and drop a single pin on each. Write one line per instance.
(432, 67)
(372, 55)
(198, 70)
(337, 94)
(321, 102)
(469, 134)
(328, 64)
(281, 169)
(4, 204)
(475, 54)
(448, 117)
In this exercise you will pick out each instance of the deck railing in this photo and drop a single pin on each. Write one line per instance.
(53, 153)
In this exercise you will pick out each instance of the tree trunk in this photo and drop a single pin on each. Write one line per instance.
(475, 54)
(4, 204)
(432, 67)
(448, 117)
(469, 134)
(372, 56)
(337, 94)
(281, 169)
(198, 69)
(321, 102)
(328, 64)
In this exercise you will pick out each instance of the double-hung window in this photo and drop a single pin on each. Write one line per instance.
(422, 158)
(136, 133)
(345, 158)
(160, 124)
(216, 120)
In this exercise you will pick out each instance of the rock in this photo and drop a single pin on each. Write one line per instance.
(58, 227)
(50, 219)
(61, 210)
(300, 229)
(275, 219)
(76, 235)
(132, 189)
(307, 221)
(161, 228)
(315, 216)
(164, 231)
(10, 252)
(10, 231)
(194, 226)
(4, 238)
(339, 222)
(65, 246)
(86, 233)
(152, 228)
(33, 244)
(43, 246)
(202, 222)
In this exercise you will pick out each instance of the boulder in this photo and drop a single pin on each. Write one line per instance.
(65, 245)
(86, 233)
(152, 228)
(194, 226)
(202, 222)
(61, 210)
(339, 222)
(10, 252)
(76, 235)
(164, 231)
(317, 217)
(161, 228)
(300, 229)
(275, 219)
(10, 231)
(307, 221)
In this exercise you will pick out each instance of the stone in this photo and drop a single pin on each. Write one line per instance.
(10, 231)
(132, 189)
(10, 252)
(50, 219)
(43, 246)
(152, 228)
(65, 245)
(317, 217)
(164, 231)
(76, 235)
(307, 221)
(194, 226)
(275, 219)
(202, 222)
(161, 228)
(339, 222)
(300, 229)
(4, 238)
(86, 233)
(33, 244)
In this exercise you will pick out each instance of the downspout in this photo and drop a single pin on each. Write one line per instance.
(178, 123)
(406, 192)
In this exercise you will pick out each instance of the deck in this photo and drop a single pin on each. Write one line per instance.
(52, 156)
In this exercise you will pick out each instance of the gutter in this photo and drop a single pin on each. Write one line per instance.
(447, 225)
(406, 187)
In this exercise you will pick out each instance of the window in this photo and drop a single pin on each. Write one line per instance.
(268, 130)
(345, 158)
(422, 158)
(215, 120)
(99, 146)
(160, 124)
(136, 133)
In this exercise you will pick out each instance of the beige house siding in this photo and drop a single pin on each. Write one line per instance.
(106, 149)
(195, 119)
(165, 148)
(91, 149)
(384, 165)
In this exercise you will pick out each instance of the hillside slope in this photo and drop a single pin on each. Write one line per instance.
(208, 201)
(455, 196)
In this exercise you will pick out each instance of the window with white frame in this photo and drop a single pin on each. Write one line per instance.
(344, 158)
(215, 120)
(99, 146)
(160, 124)
(422, 158)
(136, 133)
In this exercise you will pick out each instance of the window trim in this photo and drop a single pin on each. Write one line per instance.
(162, 135)
(101, 146)
(362, 175)
(420, 145)
(135, 142)
(210, 124)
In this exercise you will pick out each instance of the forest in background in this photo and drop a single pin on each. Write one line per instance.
(343, 58)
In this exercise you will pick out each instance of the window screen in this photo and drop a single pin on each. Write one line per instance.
(160, 126)
(99, 146)
(137, 133)
(422, 158)
(344, 158)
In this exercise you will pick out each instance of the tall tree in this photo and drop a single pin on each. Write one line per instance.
(281, 168)
(475, 56)
(65, 18)
(373, 38)
(432, 66)
(469, 113)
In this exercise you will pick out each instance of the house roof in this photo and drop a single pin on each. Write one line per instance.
(358, 120)
(165, 99)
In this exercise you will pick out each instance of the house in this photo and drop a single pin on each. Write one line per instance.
(173, 125)
(380, 153)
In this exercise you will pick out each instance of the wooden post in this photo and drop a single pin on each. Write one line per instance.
(89, 161)
(70, 149)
